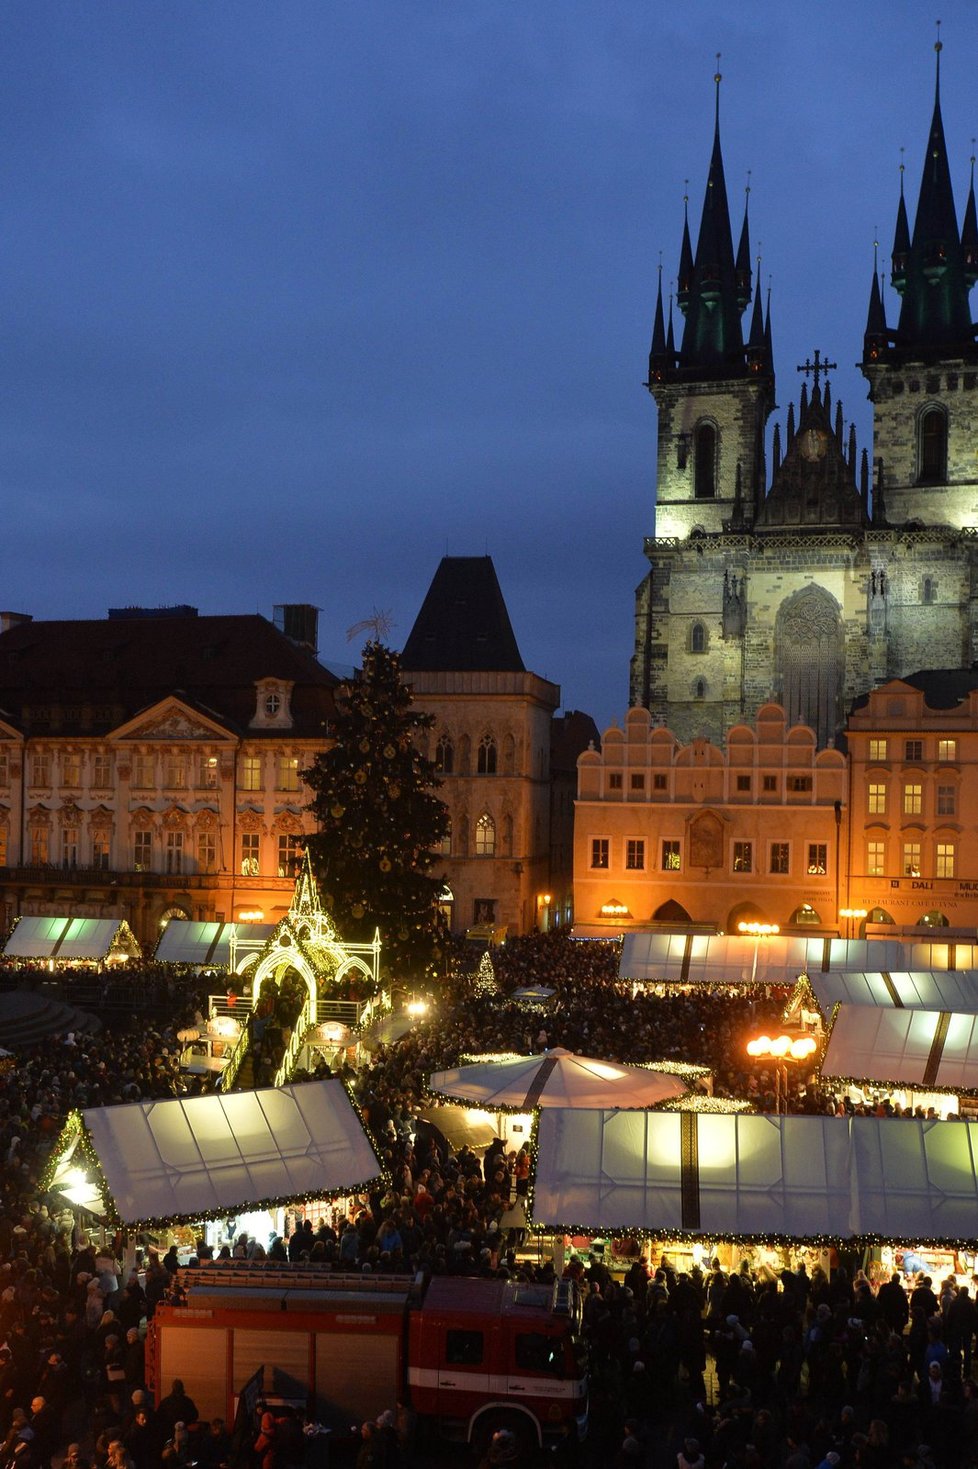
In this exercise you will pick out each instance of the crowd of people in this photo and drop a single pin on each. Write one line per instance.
(741, 1368)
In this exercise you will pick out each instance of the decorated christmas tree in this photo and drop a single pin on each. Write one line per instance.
(380, 821)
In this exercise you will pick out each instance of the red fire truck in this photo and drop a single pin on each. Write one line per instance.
(469, 1355)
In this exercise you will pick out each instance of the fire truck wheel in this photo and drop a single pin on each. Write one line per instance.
(525, 1439)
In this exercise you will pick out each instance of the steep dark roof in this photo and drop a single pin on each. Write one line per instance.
(942, 688)
(463, 625)
(571, 733)
(95, 675)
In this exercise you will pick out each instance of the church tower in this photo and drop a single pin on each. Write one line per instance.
(923, 375)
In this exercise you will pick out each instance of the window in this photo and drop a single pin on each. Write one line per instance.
(780, 858)
(251, 773)
(101, 771)
(699, 689)
(911, 859)
(877, 800)
(486, 764)
(288, 773)
(485, 836)
(799, 782)
(933, 446)
(206, 851)
(818, 856)
(101, 851)
(913, 750)
(463, 1348)
(444, 756)
(947, 749)
(947, 800)
(173, 851)
(659, 783)
(945, 859)
(876, 858)
(705, 462)
(599, 852)
(743, 782)
(769, 783)
(877, 749)
(537, 1352)
(174, 770)
(4, 768)
(671, 859)
(637, 782)
(143, 772)
(206, 772)
(70, 769)
(635, 855)
(290, 850)
(41, 768)
(142, 851)
(272, 705)
(913, 800)
(40, 846)
(444, 847)
(614, 781)
(697, 638)
(69, 846)
(743, 856)
(250, 854)
(928, 590)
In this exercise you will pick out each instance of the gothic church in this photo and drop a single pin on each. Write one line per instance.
(815, 585)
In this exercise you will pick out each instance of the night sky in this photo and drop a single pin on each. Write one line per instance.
(298, 297)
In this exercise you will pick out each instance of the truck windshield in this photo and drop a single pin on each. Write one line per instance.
(536, 1352)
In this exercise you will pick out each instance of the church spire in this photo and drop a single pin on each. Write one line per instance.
(874, 340)
(658, 360)
(969, 230)
(743, 255)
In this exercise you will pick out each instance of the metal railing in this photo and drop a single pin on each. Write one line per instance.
(302, 1023)
(230, 1072)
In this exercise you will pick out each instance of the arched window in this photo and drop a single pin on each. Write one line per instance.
(933, 446)
(928, 590)
(699, 688)
(697, 638)
(444, 756)
(487, 755)
(485, 836)
(705, 462)
(444, 847)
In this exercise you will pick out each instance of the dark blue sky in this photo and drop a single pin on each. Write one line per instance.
(298, 297)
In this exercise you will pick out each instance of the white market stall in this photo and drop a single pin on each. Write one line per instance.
(903, 1048)
(902, 989)
(62, 939)
(209, 944)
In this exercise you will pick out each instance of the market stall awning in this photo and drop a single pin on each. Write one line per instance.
(918, 1048)
(668, 958)
(70, 938)
(726, 1176)
(185, 942)
(897, 989)
(199, 1157)
(556, 1078)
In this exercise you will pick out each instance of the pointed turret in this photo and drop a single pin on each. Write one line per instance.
(757, 342)
(658, 356)
(814, 485)
(901, 243)
(743, 260)
(768, 340)
(969, 233)
(874, 338)
(671, 338)
(685, 262)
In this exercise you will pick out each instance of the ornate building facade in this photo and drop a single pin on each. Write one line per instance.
(815, 583)
(151, 766)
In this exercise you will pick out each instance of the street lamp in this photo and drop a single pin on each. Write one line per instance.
(779, 1052)
(851, 915)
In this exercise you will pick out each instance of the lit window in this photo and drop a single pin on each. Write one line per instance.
(444, 756)
(743, 856)
(947, 800)
(780, 858)
(877, 800)
(4, 768)
(877, 749)
(174, 771)
(101, 851)
(288, 773)
(947, 749)
(485, 836)
(876, 858)
(142, 851)
(635, 855)
(614, 780)
(671, 858)
(41, 768)
(206, 851)
(143, 772)
(599, 852)
(251, 773)
(817, 859)
(40, 846)
(173, 851)
(207, 772)
(911, 859)
(69, 847)
(290, 850)
(102, 772)
(70, 769)
(487, 756)
(913, 750)
(250, 854)
(945, 859)
(913, 800)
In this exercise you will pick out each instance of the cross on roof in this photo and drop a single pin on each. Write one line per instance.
(817, 367)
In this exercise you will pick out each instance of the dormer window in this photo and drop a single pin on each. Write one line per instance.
(273, 704)
(272, 696)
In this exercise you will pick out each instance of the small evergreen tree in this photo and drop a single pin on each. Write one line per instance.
(380, 821)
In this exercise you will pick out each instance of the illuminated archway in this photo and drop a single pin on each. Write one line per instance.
(275, 964)
(879, 915)
(934, 918)
(805, 917)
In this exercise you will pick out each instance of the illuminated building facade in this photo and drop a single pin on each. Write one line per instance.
(150, 764)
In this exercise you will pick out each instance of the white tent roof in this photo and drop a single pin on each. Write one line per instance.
(556, 1078)
(184, 942)
(66, 938)
(910, 989)
(200, 1156)
(668, 958)
(906, 1047)
(742, 1175)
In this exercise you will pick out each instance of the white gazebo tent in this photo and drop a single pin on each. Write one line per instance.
(63, 938)
(742, 1176)
(555, 1078)
(195, 1158)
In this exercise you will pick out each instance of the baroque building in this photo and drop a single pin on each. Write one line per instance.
(835, 571)
(151, 764)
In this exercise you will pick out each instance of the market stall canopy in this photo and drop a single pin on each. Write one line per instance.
(919, 1048)
(184, 942)
(556, 1078)
(533, 994)
(668, 958)
(737, 1176)
(70, 938)
(469, 1127)
(193, 1158)
(897, 989)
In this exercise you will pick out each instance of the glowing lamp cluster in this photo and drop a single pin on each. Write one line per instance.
(783, 1047)
(759, 930)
